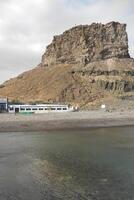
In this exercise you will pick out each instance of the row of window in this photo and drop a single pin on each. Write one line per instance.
(34, 109)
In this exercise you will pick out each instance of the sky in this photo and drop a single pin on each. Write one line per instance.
(28, 26)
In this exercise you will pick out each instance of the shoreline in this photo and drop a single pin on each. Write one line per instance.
(60, 121)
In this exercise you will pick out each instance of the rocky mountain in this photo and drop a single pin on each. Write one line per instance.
(86, 65)
(85, 44)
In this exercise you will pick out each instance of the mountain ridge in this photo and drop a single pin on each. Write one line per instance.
(81, 70)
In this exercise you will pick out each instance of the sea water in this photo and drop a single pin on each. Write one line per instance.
(85, 164)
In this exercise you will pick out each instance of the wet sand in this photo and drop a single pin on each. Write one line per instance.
(70, 120)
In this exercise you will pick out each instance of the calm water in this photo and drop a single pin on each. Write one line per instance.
(93, 164)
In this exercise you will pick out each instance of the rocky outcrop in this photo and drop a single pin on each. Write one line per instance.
(84, 44)
(110, 75)
(86, 65)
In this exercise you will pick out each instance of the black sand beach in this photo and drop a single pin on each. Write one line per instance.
(53, 121)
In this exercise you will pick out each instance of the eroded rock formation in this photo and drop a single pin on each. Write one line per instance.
(86, 64)
(84, 44)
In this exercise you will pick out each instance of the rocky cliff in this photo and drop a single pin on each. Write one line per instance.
(86, 65)
(84, 44)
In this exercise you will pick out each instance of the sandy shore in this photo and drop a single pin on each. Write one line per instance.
(52, 121)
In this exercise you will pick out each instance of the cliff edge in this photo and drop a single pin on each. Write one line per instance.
(86, 66)
(87, 43)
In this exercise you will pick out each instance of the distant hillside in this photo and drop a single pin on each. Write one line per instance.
(86, 65)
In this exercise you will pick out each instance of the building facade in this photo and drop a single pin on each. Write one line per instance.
(40, 108)
(3, 105)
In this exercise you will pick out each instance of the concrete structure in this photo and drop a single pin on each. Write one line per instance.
(40, 108)
(3, 104)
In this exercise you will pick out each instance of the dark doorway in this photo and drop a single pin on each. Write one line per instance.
(16, 110)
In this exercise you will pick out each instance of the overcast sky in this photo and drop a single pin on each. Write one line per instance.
(27, 26)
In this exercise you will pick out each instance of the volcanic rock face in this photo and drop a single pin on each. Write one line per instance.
(86, 65)
(84, 44)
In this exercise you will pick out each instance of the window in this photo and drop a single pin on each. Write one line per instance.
(52, 108)
(64, 108)
(40, 108)
(22, 108)
(34, 109)
(58, 108)
(2, 106)
(28, 108)
(46, 109)
(11, 108)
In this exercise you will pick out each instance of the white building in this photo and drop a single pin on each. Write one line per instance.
(40, 108)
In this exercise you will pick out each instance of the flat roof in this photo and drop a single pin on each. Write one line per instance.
(38, 105)
(3, 100)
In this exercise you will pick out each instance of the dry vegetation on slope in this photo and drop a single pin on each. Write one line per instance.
(37, 84)
(83, 86)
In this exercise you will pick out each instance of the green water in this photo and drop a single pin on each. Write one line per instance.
(92, 164)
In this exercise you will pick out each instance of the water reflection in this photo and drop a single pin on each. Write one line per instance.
(78, 164)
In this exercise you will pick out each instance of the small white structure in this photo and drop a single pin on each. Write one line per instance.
(103, 106)
(40, 108)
